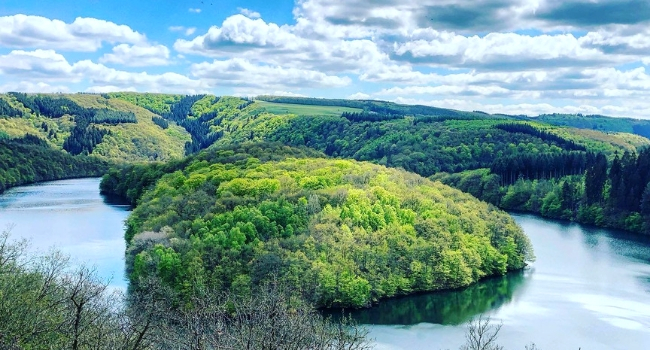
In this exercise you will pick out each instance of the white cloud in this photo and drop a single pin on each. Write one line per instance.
(257, 40)
(243, 73)
(47, 66)
(38, 64)
(287, 93)
(84, 34)
(138, 56)
(187, 30)
(194, 10)
(109, 88)
(249, 13)
(100, 75)
(525, 56)
(259, 92)
(359, 96)
(240, 30)
(501, 51)
(33, 87)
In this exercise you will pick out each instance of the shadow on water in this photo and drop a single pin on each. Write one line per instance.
(445, 308)
(116, 201)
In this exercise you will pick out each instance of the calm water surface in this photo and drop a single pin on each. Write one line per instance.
(588, 289)
(71, 216)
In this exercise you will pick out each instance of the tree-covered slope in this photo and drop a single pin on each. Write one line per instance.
(143, 140)
(349, 233)
(29, 159)
(598, 122)
(111, 129)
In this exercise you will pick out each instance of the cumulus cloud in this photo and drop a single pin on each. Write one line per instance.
(138, 56)
(109, 88)
(239, 30)
(396, 15)
(500, 51)
(33, 87)
(84, 34)
(249, 13)
(194, 10)
(243, 73)
(100, 75)
(257, 40)
(47, 66)
(37, 64)
(359, 96)
(520, 56)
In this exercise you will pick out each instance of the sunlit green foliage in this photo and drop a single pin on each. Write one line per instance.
(130, 181)
(156, 103)
(422, 147)
(599, 122)
(135, 142)
(288, 108)
(128, 132)
(348, 233)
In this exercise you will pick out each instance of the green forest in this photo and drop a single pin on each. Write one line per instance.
(29, 159)
(530, 161)
(348, 233)
(613, 194)
(317, 203)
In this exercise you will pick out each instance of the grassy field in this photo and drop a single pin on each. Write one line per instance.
(286, 108)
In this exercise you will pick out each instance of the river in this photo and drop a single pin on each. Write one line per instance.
(72, 217)
(589, 288)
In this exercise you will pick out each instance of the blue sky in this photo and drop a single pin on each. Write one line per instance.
(507, 56)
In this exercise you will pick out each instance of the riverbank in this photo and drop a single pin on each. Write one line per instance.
(587, 289)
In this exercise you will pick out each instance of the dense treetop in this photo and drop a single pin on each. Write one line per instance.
(425, 140)
(349, 233)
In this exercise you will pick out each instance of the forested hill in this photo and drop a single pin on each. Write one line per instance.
(110, 129)
(29, 159)
(158, 127)
(348, 233)
(598, 122)
(132, 127)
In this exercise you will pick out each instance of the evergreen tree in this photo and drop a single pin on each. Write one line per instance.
(595, 178)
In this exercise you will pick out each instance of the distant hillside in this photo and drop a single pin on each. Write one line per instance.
(378, 107)
(110, 129)
(29, 159)
(145, 127)
(135, 127)
(598, 122)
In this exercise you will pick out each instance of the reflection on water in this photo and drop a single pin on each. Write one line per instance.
(445, 308)
(71, 216)
(589, 289)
